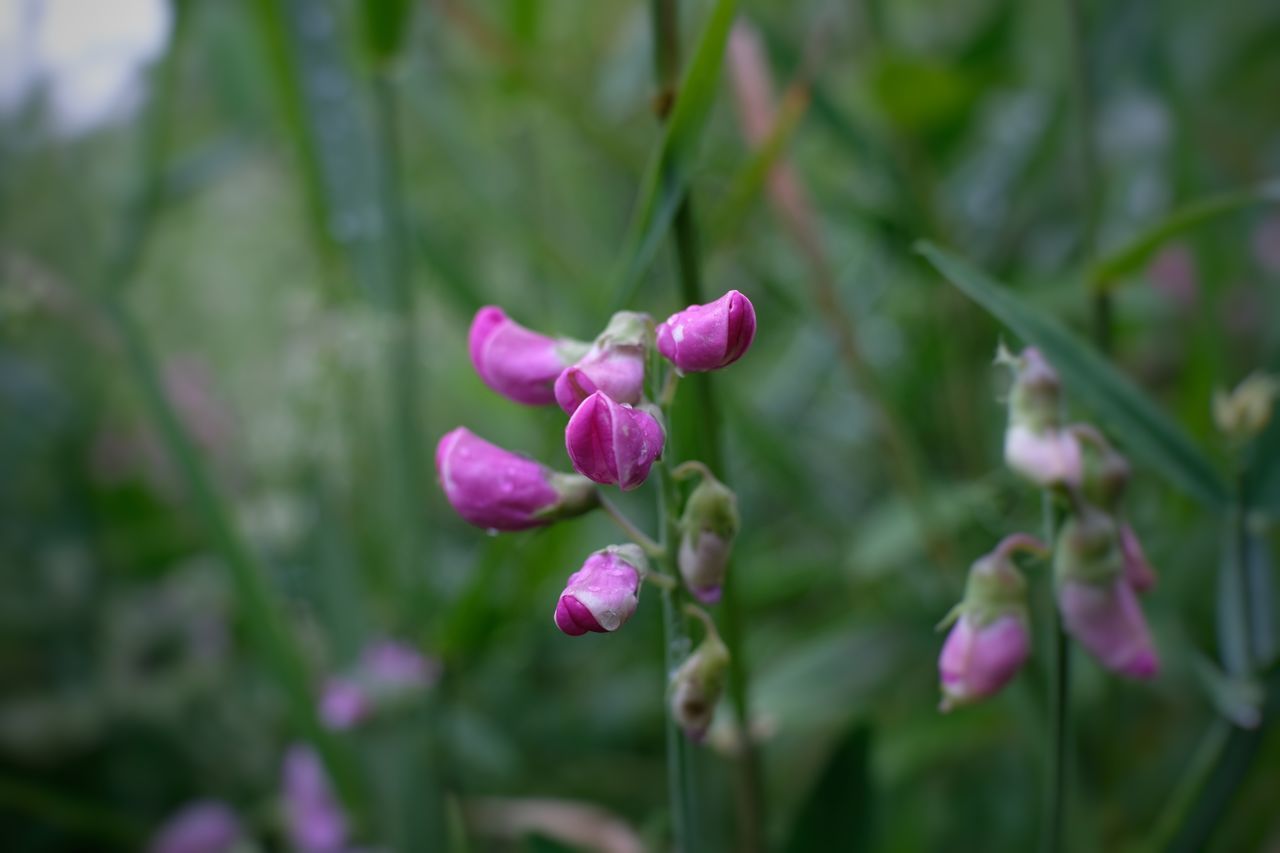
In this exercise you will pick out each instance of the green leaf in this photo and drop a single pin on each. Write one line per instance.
(667, 174)
(840, 806)
(385, 24)
(1134, 255)
(1148, 433)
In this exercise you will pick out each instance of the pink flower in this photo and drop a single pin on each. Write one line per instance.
(612, 443)
(978, 660)
(396, 664)
(1047, 457)
(1107, 620)
(519, 364)
(203, 826)
(500, 490)
(602, 595)
(314, 819)
(614, 364)
(711, 336)
(1137, 569)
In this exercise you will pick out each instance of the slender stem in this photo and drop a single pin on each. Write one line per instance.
(638, 536)
(1087, 156)
(666, 25)
(680, 792)
(1059, 708)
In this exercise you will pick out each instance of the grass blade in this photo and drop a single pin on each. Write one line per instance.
(667, 174)
(1131, 257)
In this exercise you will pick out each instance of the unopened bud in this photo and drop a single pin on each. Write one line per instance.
(601, 596)
(612, 443)
(518, 363)
(697, 684)
(1099, 606)
(707, 530)
(1105, 472)
(1244, 413)
(615, 364)
(496, 489)
(1035, 444)
(990, 640)
(708, 337)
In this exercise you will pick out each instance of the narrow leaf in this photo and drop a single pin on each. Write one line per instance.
(667, 174)
(1131, 257)
(1148, 433)
(841, 802)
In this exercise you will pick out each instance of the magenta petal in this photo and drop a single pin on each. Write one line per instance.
(491, 487)
(977, 661)
(601, 596)
(574, 618)
(519, 364)
(711, 336)
(612, 443)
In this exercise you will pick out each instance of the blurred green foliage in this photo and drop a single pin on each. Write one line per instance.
(302, 220)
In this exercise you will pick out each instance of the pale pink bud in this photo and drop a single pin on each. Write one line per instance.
(703, 558)
(1137, 569)
(612, 443)
(519, 364)
(203, 826)
(313, 818)
(1047, 457)
(615, 364)
(602, 595)
(393, 664)
(500, 490)
(1107, 620)
(1099, 606)
(711, 336)
(978, 660)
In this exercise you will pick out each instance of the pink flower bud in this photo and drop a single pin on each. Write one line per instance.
(978, 660)
(1099, 606)
(500, 490)
(1107, 620)
(314, 819)
(388, 674)
(711, 336)
(1047, 457)
(602, 595)
(519, 364)
(203, 826)
(989, 641)
(612, 443)
(614, 364)
(1137, 569)
(1036, 390)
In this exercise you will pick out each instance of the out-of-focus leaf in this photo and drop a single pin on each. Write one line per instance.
(839, 810)
(385, 25)
(1149, 434)
(1131, 257)
(922, 95)
(1238, 699)
(667, 174)
(1259, 576)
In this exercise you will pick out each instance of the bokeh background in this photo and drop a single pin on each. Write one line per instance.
(275, 219)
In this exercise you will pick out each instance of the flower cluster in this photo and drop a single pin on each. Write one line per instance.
(1099, 565)
(613, 393)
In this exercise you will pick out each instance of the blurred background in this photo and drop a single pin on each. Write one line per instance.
(240, 246)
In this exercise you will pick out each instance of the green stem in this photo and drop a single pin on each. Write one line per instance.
(751, 806)
(627, 526)
(1059, 708)
(680, 792)
(1090, 184)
